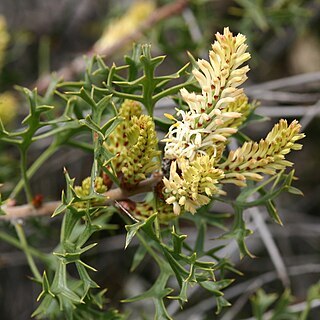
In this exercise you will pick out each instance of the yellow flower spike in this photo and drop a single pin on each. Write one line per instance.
(118, 140)
(267, 156)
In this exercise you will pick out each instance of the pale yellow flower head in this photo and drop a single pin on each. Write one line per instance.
(220, 78)
(191, 184)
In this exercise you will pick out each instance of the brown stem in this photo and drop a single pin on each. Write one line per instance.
(78, 64)
(47, 208)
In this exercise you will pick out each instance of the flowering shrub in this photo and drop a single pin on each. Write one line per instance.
(113, 108)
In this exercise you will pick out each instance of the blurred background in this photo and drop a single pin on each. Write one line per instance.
(38, 37)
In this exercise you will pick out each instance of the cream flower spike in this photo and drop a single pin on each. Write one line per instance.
(202, 127)
(220, 78)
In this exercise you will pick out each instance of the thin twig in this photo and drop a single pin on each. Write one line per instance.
(27, 210)
(25, 247)
(270, 244)
(193, 26)
(283, 97)
(292, 81)
(78, 64)
(309, 115)
(47, 208)
(236, 306)
(283, 111)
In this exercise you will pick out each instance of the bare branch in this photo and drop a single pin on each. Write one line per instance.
(293, 81)
(271, 246)
(47, 208)
(28, 210)
(309, 115)
(283, 97)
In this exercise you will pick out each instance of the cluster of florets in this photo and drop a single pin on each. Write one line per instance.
(208, 120)
(134, 144)
(199, 162)
(192, 183)
(83, 192)
(196, 143)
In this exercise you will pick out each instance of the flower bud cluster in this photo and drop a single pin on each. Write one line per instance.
(118, 140)
(142, 154)
(135, 145)
(83, 191)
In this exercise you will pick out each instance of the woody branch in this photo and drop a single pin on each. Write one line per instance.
(47, 208)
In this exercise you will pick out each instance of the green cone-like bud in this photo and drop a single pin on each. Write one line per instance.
(118, 141)
(142, 156)
(135, 145)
